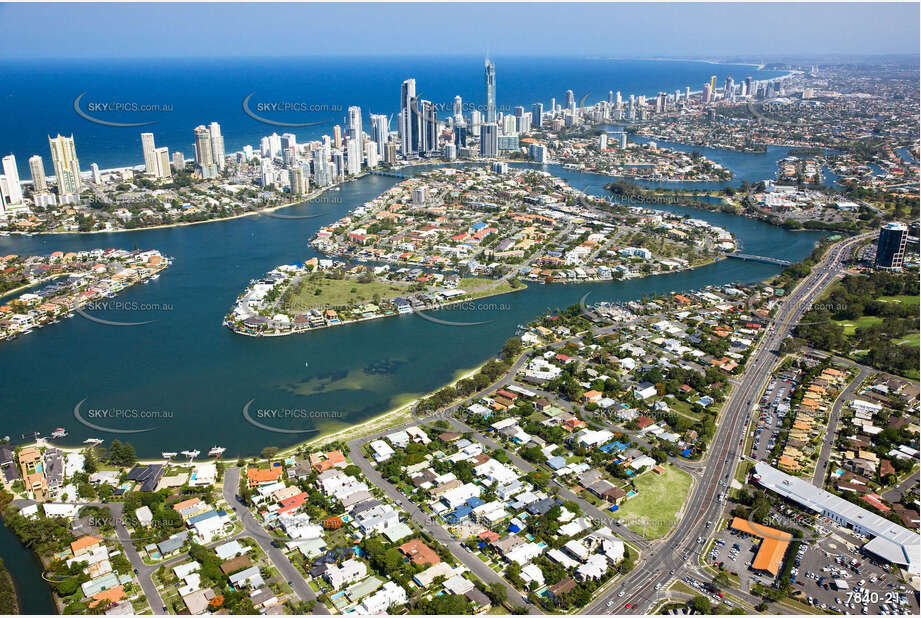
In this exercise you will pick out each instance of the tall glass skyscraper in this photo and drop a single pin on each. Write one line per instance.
(490, 91)
(890, 250)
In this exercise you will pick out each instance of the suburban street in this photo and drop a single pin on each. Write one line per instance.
(254, 530)
(660, 566)
(430, 524)
(821, 466)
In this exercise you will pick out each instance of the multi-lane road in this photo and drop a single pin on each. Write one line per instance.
(662, 564)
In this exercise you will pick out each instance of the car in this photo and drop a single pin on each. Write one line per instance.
(135, 571)
(627, 606)
(610, 603)
(621, 593)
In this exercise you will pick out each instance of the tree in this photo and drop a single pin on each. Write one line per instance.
(269, 452)
(498, 593)
(701, 605)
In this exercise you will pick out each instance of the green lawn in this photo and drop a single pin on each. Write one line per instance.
(912, 340)
(316, 292)
(652, 512)
(684, 409)
(904, 299)
(340, 292)
(850, 326)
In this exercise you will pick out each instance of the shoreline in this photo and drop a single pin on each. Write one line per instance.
(249, 213)
(293, 331)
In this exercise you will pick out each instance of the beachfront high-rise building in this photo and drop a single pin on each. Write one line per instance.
(409, 118)
(748, 86)
(460, 134)
(178, 161)
(713, 83)
(95, 174)
(11, 172)
(161, 157)
(380, 131)
(217, 145)
(204, 157)
(37, 169)
(203, 146)
(288, 142)
(354, 156)
(489, 139)
(890, 250)
(537, 114)
(707, 94)
(354, 128)
(337, 136)
(429, 117)
(372, 157)
(148, 147)
(298, 180)
(729, 87)
(66, 165)
(490, 78)
(458, 107)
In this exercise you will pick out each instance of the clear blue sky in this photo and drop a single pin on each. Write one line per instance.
(614, 30)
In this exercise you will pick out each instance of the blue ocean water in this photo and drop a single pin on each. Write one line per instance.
(37, 98)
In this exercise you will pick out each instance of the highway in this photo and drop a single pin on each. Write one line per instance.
(662, 564)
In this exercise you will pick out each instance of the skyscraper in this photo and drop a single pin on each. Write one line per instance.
(458, 107)
(713, 83)
(148, 147)
(217, 145)
(460, 134)
(537, 114)
(354, 131)
(161, 157)
(11, 171)
(890, 250)
(380, 131)
(37, 168)
(429, 118)
(337, 136)
(66, 165)
(203, 155)
(490, 76)
(489, 139)
(409, 119)
(354, 156)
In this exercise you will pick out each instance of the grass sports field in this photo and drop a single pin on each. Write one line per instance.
(652, 512)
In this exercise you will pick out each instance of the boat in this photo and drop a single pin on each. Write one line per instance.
(216, 451)
(168, 455)
(191, 454)
(93, 441)
(155, 277)
(60, 432)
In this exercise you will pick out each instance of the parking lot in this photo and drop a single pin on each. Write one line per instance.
(830, 572)
(773, 407)
(833, 574)
(735, 552)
